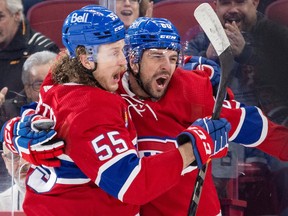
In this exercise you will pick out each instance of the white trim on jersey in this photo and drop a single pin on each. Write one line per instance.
(111, 162)
(128, 182)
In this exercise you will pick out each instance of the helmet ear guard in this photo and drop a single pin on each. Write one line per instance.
(92, 52)
(136, 54)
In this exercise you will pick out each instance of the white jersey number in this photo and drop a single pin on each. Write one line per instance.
(105, 150)
(42, 180)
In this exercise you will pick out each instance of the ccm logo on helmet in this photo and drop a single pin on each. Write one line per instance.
(79, 19)
(168, 37)
(119, 28)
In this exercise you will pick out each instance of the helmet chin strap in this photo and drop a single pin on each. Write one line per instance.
(89, 72)
(140, 83)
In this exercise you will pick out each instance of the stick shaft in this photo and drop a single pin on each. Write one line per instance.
(211, 25)
(226, 61)
(197, 190)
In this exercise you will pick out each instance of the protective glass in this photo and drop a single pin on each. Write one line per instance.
(110, 4)
(13, 171)
(11, 157)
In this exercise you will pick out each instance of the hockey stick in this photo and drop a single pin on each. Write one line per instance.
(212, 27)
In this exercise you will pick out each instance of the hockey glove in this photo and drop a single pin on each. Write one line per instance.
(211, 68)
(209, 139)
(36, 147)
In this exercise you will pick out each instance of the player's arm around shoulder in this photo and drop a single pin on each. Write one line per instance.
(251, 127)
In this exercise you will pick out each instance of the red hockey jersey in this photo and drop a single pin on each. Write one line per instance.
(189, 97)
(100, 173)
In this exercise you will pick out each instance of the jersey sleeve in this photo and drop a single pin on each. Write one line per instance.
(250, 127)
(102, 144)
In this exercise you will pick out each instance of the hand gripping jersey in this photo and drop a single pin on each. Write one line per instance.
(101, 173)
(189, 97)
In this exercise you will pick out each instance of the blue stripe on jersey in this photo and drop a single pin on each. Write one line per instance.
(146, 154)
(114, 174)
(69, 170)
(253, 128)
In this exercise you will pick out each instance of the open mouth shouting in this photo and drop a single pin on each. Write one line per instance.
(116, 77)
(162, 82)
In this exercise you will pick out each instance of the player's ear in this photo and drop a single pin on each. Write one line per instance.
(134, 66)
(85, 62)
(17, 16)
(256, 3)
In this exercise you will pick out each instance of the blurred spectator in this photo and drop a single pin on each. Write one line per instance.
(146, 8)
(3, 93)
(129, 10)
(12, 198)
(17, 42)
(260, 49)
(34, 71)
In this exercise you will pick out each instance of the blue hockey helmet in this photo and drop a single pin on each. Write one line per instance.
(91, 26)
(151, 33)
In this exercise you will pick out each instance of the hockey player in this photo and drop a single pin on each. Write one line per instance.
(101, 172)
(163, 100)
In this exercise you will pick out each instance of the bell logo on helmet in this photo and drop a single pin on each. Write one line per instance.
(79, 18)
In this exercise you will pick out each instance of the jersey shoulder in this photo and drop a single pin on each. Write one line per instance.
(191, 76)
(192, 83)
